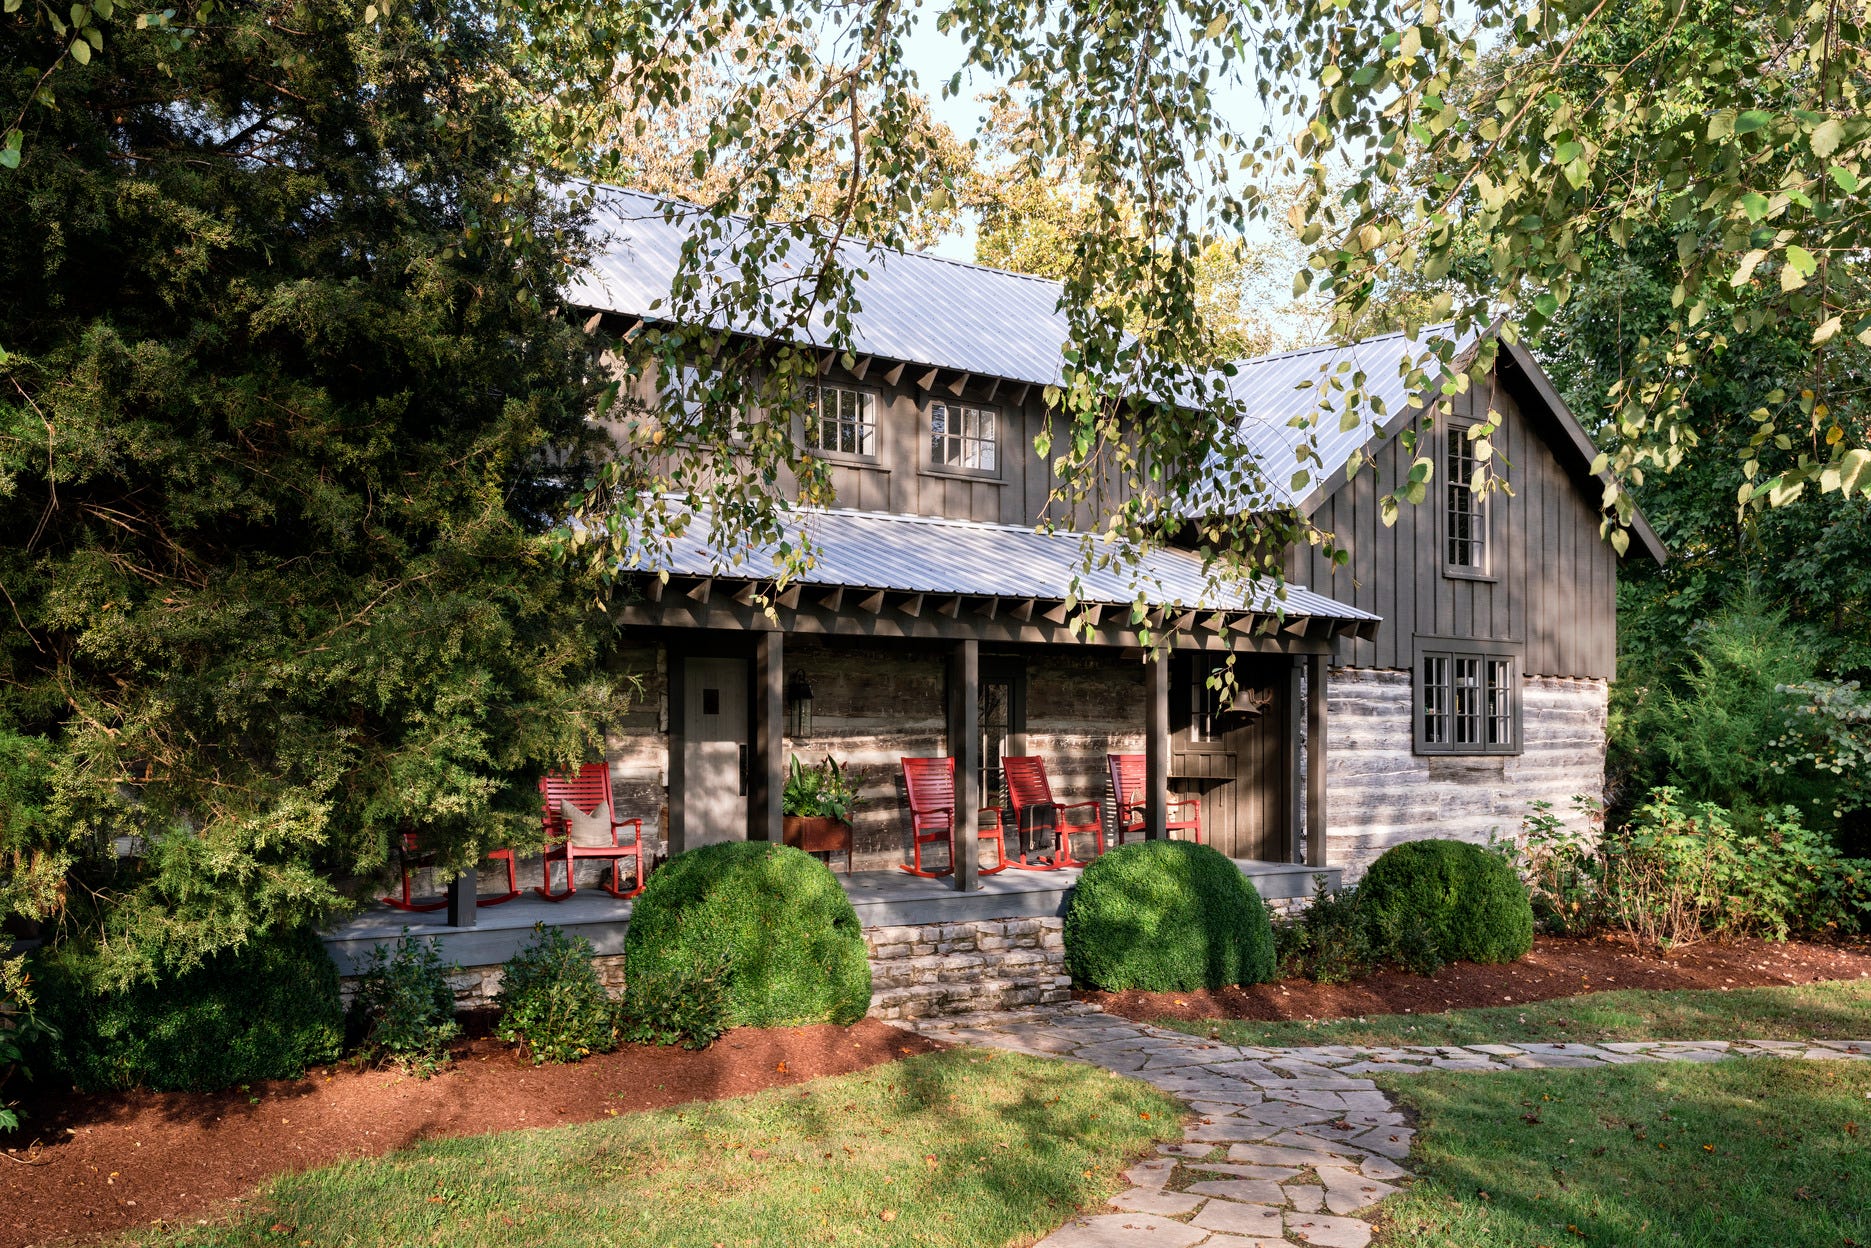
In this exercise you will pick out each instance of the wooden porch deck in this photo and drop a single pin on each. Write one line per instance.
(881, 898)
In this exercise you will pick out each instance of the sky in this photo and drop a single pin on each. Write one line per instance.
(935, 56)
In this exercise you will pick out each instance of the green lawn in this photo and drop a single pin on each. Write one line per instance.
(1827, 1011)
(1748, 1153)
(963, 1147)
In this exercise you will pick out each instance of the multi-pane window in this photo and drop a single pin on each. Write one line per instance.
(1466, 703)
(964, 437)
(843, 420)
(1464, 518)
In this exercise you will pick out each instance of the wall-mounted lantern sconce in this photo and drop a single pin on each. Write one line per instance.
(798, 706)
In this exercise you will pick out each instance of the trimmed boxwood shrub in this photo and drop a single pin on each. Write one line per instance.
(266, 1010)
(1436, 901)
(767, 925)
(1166, 916)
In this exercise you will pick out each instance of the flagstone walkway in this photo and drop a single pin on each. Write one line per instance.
(1290, 1144)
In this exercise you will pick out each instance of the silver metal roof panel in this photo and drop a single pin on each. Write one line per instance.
(933, 555)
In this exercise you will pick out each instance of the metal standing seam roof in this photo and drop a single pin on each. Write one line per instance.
(916, 307)
(930, 310)
(935, 555)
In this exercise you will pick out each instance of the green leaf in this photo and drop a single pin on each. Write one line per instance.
(1799, 258)
(1755, 205)
(1753, 120)
(1621, 541)
(81, 51)
(1844, 179)
(1827, 136)
(1568, 152)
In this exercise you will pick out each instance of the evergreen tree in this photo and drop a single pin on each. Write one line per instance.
(287, 401)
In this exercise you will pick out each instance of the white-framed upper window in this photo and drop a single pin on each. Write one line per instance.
(1467, 700)
(842, 420)
(962, 436)
(1464, 509)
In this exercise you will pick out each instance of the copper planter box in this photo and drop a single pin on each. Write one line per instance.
(818, 834)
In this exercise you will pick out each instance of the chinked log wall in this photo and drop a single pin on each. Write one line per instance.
(1382, 793)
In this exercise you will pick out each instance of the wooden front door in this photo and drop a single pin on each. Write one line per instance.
(1232, 754)
(714, 751)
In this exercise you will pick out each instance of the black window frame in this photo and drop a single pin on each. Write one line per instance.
(1466, 697)
(1476, 507)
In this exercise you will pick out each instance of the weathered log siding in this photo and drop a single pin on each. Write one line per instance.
(871, 707)
(1382, 794)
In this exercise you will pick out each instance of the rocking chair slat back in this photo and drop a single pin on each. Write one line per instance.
(587, 790)
(1026, 782)
(930, 783)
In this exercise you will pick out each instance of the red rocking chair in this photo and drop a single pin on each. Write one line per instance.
(414, 859)
(1129, 777)
(1035, 810)
(930, 783)
(588, 792)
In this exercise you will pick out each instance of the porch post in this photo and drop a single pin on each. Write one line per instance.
(767, 783)
(1315, 761)
(1295, 722)
(964, 746)
(462, 897)
(1156, 747)
(678, 749)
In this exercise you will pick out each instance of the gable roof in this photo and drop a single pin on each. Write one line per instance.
(928, 310)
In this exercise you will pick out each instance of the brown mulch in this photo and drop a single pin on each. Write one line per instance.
(1557, 967)
(118, 1161)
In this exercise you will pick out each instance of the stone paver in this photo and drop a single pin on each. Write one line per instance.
(1309, 1142)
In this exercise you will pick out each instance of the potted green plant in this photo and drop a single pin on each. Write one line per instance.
(816, 805)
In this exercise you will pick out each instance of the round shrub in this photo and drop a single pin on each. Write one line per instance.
(768, 928)
(552, 1001)
(1166, 916)
(266, 1010)
(1434, 902)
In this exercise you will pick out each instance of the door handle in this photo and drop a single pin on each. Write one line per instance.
(743, 792)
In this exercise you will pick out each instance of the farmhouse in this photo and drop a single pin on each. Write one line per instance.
(1454, 670)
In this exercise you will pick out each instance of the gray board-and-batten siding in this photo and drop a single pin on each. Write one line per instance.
(1551, 590)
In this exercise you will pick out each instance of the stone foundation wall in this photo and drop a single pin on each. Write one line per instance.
(960, 968)
(916, 971)
(1380, 792)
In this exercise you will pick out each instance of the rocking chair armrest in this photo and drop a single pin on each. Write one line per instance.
(1183, 803)
(632, 822)
(1062, 807)
(990, 815)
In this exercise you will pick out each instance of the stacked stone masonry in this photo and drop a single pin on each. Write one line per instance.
(917, 971)
(956, 968)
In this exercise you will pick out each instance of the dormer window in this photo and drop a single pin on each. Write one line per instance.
(842, 420)
(961, 436)
(1465, 517)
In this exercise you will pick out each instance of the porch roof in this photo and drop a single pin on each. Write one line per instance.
(874, 551)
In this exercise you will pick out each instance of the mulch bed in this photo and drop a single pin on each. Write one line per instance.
(1557, 967)
(118, 1161)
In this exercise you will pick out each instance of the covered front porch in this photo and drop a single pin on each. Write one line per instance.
(470, 937)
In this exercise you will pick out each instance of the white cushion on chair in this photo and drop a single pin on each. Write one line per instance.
(590, 831)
